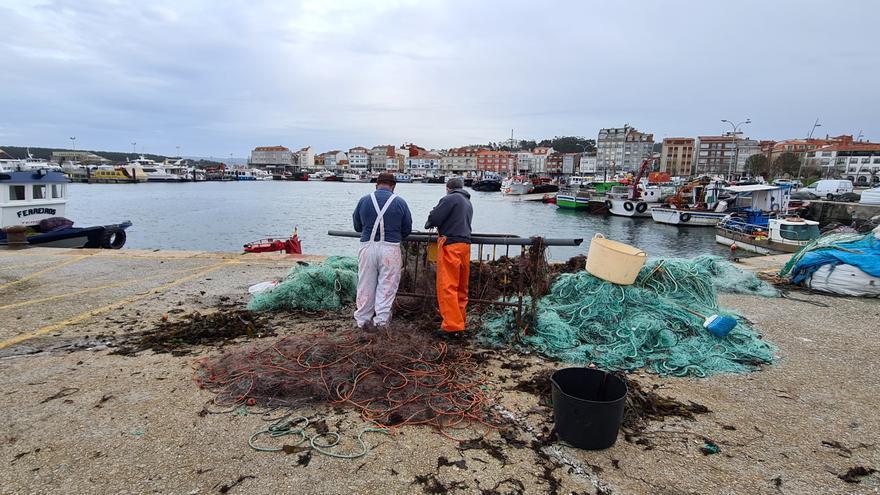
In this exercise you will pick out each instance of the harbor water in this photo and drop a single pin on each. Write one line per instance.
(221, 216)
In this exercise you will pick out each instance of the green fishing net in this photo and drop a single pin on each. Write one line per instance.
(312, 287)
(645, 325)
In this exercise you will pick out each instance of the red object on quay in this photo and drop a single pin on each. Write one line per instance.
(289, 246)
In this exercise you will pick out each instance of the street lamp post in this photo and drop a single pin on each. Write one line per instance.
(134, 148)
(815, 125)
(735, 145)
(73, 142)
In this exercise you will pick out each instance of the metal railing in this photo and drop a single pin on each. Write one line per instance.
(513, 278)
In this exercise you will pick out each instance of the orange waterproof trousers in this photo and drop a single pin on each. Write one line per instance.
(453, 270)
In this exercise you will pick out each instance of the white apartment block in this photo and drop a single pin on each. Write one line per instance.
(539, 162)
(525, 162)
(587, 163)
(424, 164)
(305, 158)
(359, 158)
(858, 162)
(570, 162)
(334, 160)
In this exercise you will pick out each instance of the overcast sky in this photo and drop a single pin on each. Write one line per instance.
(220, 77)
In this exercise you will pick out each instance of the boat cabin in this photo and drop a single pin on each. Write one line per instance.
(762, 197)
(27, 197)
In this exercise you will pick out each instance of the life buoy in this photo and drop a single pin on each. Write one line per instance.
(608, 204)
(628, 206)
(641, 207)
(113, 239)
(684, 217)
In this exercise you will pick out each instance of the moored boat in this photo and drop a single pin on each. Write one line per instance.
(32, 204)
(517, 185)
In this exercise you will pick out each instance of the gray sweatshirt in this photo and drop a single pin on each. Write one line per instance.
(452, 217)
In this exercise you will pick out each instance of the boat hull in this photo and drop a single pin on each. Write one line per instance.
(572, 202)
(79, 237)
(630, 208)
(517, 189)
(752, 245)
(687, 218)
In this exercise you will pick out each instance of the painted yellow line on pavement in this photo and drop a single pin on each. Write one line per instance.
(95, 312)
(98, 288)
(27, 265)
(45, 270)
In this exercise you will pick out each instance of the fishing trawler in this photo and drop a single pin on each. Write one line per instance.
(763, 225)
(32, 204)
(697, 204)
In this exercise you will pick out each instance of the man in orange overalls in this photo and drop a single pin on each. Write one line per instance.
(452, 217)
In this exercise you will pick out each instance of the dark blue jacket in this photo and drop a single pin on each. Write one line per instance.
(452, 217)
(398, 219)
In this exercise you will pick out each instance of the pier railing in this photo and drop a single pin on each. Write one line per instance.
(507, 271)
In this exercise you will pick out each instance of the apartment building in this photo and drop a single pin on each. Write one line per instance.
(500, 162)
(553, 164)
(525, 162)
(539, 159)
(333, 160)
(623, 148)
(855, 161)
(425, 163)
(570, 163)
(587, 163)
(383, 157)
(305, 158)
(359, 159)
(677, 156)
(460, 160)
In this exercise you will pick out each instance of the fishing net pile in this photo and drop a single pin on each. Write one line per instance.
(584, 319)
(312, 287)
(393, 376)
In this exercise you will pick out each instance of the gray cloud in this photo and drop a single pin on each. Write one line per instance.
(222, 77)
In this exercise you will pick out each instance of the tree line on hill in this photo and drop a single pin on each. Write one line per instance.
(562, 144)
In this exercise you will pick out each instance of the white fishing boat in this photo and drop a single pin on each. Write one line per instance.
(763, 225)
(517, 186)
(634, 200)
(34, 200)
(697, 204)
(350, 177)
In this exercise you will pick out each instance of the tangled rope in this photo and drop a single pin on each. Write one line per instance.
(646, 325)
(393, 377)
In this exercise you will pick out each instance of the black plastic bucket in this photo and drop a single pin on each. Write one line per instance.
(587, 407)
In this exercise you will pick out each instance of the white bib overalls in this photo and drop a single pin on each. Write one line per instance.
(379, 265)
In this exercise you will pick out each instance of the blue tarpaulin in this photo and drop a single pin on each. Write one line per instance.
(862, 253)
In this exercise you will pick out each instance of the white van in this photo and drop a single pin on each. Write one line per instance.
(828, 188)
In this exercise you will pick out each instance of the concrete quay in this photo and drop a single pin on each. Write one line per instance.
(80, 419)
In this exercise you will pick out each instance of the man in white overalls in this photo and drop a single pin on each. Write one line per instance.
(383, 219)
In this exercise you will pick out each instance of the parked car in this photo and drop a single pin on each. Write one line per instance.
(871, 196)
(828, 188)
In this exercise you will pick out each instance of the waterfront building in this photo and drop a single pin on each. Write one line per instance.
(570, 163)
(359, 159)
(623, 148)
(858, 162)
(383, 157)
(525, 162)
(425, 163)
(84, 157)
(305, 158)
(539, 159)
(500, 162)
(677, 156)
(460, 160)
(801, 147)
(270, 156)
(587, 163)
(724, 155)
(715, 155)
(553, 164)
(332, 160)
